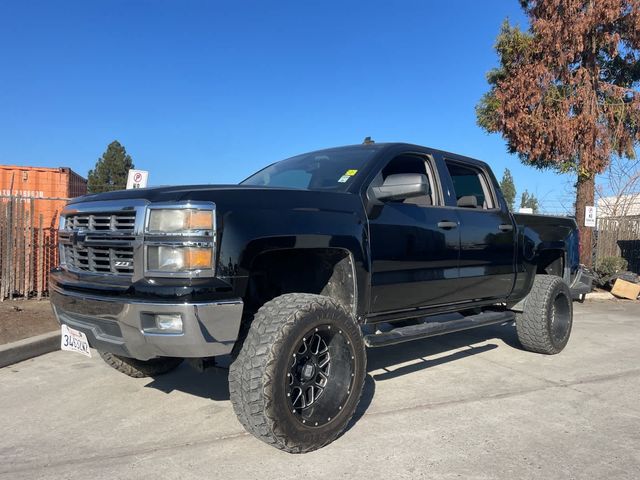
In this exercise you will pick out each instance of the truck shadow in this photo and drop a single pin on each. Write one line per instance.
(212, 383)
(411, 357)
(380, 360)
(421, 350)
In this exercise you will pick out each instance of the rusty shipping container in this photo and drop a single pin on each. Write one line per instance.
(31, 201)
(54, 184)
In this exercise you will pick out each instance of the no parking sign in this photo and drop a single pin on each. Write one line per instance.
(590, 216)
(137, 179)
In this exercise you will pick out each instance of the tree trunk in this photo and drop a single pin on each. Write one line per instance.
(585, 195)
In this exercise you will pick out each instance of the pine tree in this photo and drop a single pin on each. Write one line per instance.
(565, 94)
(508, 188)
(111, 170)
(529, 200)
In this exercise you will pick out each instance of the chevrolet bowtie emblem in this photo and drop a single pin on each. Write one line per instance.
(78, 238)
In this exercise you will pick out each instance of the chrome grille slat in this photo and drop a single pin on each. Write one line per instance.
(117, 222)
(108, 239)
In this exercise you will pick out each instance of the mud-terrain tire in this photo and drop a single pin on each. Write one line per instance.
(298, 378)
(545, 324)
(140, 368)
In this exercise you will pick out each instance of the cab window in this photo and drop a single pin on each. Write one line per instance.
(471, 186)
(408, 163)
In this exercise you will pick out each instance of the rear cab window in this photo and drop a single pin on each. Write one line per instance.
(471, 185)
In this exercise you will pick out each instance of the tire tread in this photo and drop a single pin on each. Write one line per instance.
(140, 368)
(532, 325)
(251, 372)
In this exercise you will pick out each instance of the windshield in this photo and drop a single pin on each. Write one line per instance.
(327, 170)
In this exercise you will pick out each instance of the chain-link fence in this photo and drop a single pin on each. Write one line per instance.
(28, 244)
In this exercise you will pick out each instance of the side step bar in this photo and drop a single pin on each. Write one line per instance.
(433, 329)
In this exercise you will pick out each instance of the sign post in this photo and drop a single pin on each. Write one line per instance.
(137, 179)
(590, 216)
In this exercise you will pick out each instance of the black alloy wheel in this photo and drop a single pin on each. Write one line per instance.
(298, 377)
(321, 374)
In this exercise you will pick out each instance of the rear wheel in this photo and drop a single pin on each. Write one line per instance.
(545, 324)
(140, 368)
(298, 377)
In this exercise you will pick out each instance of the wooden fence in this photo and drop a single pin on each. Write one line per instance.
(28, 245)
(620, 237)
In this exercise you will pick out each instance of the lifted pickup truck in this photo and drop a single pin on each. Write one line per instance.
(304, 264)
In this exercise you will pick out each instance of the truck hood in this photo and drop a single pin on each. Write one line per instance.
(235, 197)
(165, 194)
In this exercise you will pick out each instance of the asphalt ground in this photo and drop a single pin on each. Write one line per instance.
(467, 405)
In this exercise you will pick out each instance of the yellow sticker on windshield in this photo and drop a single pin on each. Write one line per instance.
(350, 173)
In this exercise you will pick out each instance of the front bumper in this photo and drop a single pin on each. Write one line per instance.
(114, 324)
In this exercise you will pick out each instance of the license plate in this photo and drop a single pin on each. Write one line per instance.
(73, 340)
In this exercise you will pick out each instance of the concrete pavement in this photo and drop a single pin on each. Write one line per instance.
(24, 349)
(467, 405)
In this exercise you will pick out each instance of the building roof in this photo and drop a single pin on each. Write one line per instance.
(623, 206)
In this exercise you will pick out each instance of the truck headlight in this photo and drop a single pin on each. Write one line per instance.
(172, 220)
(179, 258)
(180, 240)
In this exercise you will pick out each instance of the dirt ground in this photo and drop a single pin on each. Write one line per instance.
(25, 318)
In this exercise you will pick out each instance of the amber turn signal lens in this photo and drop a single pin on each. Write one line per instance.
(198, 258)
(200, 220)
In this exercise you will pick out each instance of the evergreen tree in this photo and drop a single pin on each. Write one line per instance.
(529, 200)
(508, 188)
(111, 170)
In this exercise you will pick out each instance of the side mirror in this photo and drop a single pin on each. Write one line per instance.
(401, 186)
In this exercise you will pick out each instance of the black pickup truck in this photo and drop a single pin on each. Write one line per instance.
(300, 267)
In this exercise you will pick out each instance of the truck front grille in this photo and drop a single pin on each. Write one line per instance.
(99, 242)
(115, 222)
(108, 260)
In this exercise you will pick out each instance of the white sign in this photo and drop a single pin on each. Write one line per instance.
(137, 179)
(525, 210)
(589, 216)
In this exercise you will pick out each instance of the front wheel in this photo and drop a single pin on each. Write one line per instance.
(545, 324)
(299, 375)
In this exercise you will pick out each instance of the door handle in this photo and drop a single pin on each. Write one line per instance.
(446, 225)
(505, 227)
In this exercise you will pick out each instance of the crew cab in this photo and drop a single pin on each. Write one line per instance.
(300, 267)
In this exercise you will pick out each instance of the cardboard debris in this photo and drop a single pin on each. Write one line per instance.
(624, 289)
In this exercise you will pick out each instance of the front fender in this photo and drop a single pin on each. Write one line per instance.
(247, 233)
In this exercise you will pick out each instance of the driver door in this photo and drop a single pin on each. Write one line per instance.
(415, 244)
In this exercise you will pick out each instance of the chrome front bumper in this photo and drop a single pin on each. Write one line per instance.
(114, 324)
